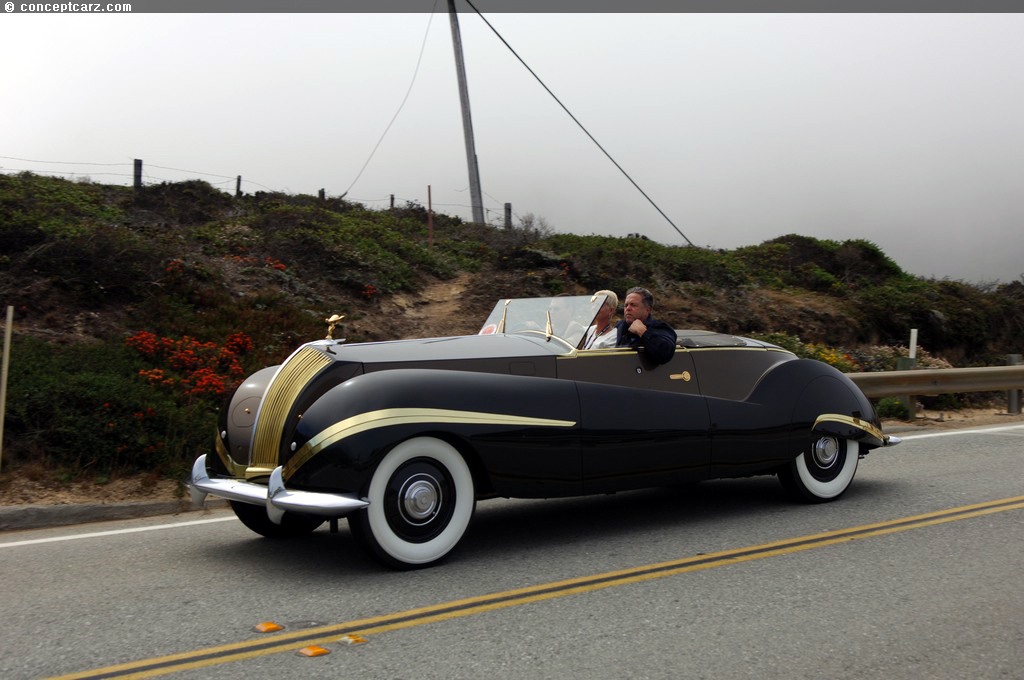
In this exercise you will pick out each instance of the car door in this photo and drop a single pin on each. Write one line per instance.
(641, 424)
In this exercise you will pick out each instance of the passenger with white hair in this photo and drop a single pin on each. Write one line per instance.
(603, 332)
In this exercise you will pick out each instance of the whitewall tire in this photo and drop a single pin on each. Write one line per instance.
(421, 501)
(824, 471)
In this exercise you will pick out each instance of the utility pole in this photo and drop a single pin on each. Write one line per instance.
(467, 120)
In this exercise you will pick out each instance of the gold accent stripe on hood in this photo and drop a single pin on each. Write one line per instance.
(404, 416)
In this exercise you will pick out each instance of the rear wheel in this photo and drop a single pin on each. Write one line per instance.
(421, 500)
(291, 526)
(823, 472)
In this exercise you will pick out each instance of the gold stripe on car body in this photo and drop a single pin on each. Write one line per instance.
(605, 351)
(293, 375)
(858, 423)
(404, 416)
(736, 348)
(596, 351)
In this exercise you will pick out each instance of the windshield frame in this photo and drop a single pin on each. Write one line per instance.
(566, 317)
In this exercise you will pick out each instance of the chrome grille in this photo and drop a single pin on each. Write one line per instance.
(293, 375)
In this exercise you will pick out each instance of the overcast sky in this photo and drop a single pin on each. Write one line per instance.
(905, 130)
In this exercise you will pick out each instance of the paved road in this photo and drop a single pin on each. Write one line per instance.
(725, 579)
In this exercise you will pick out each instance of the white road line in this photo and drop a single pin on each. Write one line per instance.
(951, 433)
(115, 532)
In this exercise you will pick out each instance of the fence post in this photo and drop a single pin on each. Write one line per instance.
(430, 218)
(508, 215)
(1013, 396)
(138, 174)
(238, 187)
(3, 376)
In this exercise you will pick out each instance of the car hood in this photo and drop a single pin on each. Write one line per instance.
(445, 349)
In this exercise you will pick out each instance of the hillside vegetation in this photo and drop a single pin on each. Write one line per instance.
(137, 311)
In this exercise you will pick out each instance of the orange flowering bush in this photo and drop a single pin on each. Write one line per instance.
(120, 409)
(198, 369)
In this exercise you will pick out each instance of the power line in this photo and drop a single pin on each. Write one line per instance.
(73, 174)
(578, 123)
(30, 160)
(190, 172)
(416, 71)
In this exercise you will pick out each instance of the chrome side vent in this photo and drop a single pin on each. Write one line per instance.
(284, 389)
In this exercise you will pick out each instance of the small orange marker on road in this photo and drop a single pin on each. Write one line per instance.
(313, 650)
(352, 639)
(268, 627)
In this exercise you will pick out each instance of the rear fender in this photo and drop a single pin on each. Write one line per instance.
(833, 405)
(848, 427)
(826, 401)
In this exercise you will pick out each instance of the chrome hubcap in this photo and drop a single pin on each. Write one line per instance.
(826, 451)
(420, 498)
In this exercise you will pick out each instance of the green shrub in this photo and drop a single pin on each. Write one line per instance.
(83, 408)
(892, 407)
(37, 208)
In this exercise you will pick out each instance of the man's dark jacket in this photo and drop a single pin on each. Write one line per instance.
(659, 342)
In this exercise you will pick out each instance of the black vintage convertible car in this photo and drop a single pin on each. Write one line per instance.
(402, 438)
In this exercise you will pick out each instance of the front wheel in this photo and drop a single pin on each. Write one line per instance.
(421, 500)
(823, 472)
(291, 526)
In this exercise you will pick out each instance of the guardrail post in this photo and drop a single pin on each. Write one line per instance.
(1013, 396)
(908, 401)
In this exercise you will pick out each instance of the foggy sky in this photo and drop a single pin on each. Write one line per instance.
(905, 130)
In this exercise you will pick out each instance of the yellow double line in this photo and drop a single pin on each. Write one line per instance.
(321, 635)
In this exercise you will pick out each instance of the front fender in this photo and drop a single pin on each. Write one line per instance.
(235, 421)
(523, 430)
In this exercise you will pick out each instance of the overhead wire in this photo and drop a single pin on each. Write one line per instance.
(29, 160)
(419, 60)
(225, 178)
(389, 125)
(578, 123)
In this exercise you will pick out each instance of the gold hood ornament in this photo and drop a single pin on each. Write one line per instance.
(332, 321)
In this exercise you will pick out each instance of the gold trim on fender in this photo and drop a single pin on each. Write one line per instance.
(858, 423)
(256, 472)
(404, 416)
(233, 468)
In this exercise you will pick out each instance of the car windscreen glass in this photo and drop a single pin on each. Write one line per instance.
(565, 316)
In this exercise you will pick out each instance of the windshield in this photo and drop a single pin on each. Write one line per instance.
(565, 316)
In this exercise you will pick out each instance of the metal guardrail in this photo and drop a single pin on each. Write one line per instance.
(932, 381)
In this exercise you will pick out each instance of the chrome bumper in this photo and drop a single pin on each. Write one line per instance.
(274, 496)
